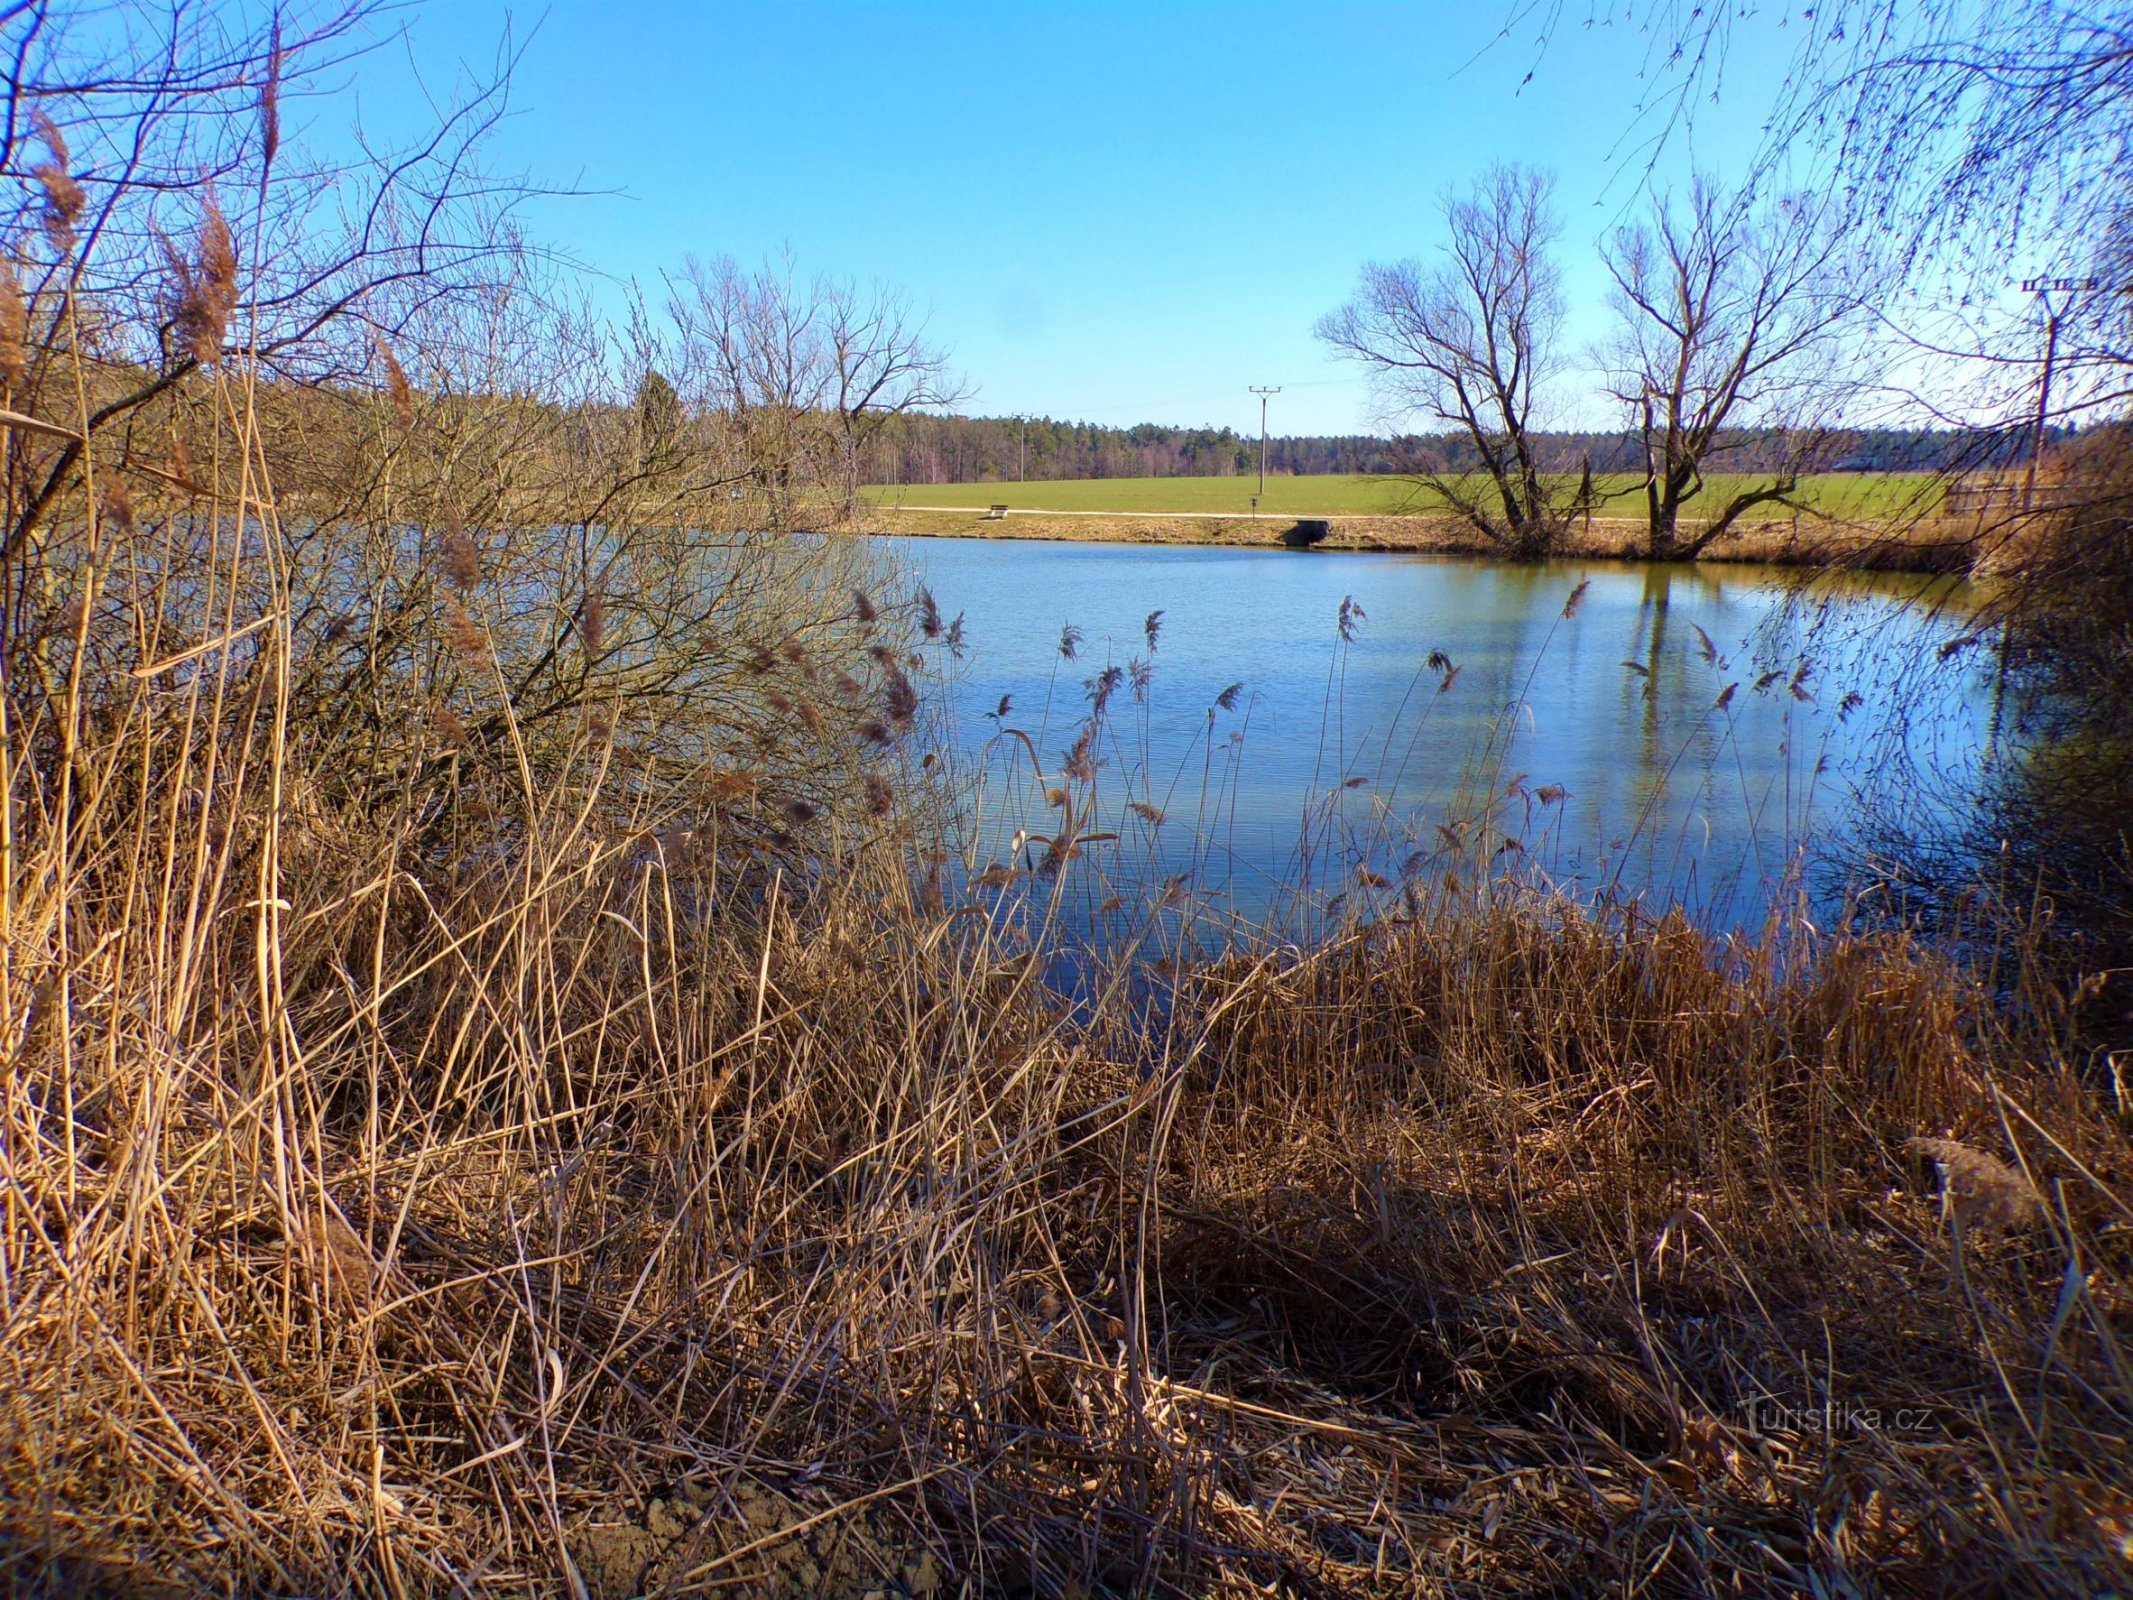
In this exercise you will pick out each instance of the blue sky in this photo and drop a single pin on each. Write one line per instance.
(1114, 212)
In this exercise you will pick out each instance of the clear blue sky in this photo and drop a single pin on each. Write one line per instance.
(1116, 212)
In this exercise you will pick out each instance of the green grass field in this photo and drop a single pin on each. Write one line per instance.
(1853, 494)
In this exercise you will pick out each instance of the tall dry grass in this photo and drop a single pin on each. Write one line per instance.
(594, 1209)
(500, 1098)
(545, 1187)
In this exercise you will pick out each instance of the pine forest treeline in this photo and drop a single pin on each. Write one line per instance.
(922, 448)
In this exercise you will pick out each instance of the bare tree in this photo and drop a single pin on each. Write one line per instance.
(804, 374)
(1469, 344)
(883, 369)
(751, 357)
(1729, 322)
(1975, 145)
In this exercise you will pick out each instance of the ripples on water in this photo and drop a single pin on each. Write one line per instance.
(1690, 734)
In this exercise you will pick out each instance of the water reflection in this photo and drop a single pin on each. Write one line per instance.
(1683, 733)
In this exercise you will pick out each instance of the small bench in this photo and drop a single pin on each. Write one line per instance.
(993, 514)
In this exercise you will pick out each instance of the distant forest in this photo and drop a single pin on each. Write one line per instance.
(919, 448)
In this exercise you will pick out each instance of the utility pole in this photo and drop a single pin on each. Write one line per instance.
(1263, 393)
(1022, 472)
(2041, 288)
(2044, 403)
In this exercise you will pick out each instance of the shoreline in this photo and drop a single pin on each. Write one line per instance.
(1940, 546)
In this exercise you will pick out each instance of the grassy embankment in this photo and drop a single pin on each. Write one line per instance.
(1870, 519)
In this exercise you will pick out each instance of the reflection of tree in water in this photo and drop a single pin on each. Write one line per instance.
(1707, 759)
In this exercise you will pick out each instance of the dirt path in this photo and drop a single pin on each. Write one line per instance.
(977, 513)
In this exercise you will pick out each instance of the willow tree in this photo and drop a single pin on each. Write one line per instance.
(1468, 343)
(1727, 353)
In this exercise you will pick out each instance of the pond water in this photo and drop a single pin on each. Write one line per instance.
(1687, 734)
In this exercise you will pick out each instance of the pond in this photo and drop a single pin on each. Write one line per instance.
(1703, 735)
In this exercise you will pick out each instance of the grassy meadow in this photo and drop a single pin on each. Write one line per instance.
(1852, 496)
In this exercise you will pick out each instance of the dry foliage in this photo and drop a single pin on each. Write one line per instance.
(494, 1101)
(403, 1220)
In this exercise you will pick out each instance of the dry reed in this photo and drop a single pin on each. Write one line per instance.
(206, 286)
(612, 1155)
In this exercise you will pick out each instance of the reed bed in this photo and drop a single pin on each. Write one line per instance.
(504, 1094)
(605, 1200)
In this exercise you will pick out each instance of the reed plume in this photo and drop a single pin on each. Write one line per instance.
(399, 393)
(14, 327)
(449, 726)
(463, 633)
(1100, 688)
(900, 700)
(461, 556)
(1079, 763)
(118, 506)
(270, 101)
(207, 286)
(63, 196)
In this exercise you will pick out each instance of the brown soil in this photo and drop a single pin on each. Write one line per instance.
(748, 1539)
